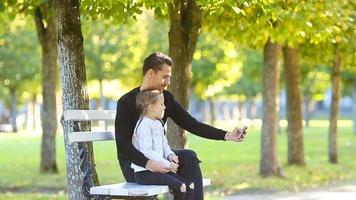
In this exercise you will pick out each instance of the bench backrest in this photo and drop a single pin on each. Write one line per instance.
(90, 115)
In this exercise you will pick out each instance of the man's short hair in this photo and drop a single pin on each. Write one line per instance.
(155, 62)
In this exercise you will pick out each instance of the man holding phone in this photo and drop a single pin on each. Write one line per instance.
(157, 74)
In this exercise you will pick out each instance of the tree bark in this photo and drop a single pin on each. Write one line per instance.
(31, 114)
(34, 105)
(212, 111)
(13, 110)
(185, 27)
(74, 87)
(241, 104)
(294, 107)
(101, 98)
(226, 112)
(354, 106)
(252, 109)
(269, 164)
(47, 37)
(334, 111)
(307, 112)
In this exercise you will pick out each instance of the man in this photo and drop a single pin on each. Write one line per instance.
(157, 74)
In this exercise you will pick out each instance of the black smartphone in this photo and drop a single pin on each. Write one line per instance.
(244, 132)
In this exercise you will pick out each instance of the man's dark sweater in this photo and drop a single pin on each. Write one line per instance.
(127, 116)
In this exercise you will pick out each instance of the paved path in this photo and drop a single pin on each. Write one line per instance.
(346, 192)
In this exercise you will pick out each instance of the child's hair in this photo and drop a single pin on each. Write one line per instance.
(145, 98)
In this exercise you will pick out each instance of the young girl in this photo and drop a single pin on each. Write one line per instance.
(149, 138)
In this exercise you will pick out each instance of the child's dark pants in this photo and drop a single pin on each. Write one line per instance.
(174, 182)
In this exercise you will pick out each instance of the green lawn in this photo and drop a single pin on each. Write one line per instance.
(233, 167)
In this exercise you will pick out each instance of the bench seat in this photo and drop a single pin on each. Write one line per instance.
(133, 189)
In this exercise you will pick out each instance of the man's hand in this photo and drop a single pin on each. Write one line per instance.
(173, 158)
(174, 167)
(237, 135)
(156, 166)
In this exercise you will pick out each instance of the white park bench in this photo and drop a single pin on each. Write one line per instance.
(125, 190)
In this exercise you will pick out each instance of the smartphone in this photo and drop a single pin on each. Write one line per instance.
(244, 132)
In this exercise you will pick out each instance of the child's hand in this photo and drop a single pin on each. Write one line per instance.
(174, 167)
(173, 158)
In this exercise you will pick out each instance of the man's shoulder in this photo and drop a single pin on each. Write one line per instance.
(167, 94)
(129, 96)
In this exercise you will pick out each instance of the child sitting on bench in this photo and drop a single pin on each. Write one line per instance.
(149, 138)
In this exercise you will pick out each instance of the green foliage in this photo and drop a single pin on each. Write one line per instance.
(120, 11)
(24, 7)
(117, 52)
(157, 34)
(19, 56)
(291, 22)
(315, 81)
(349, 73)
(249, 85)
(216, 65)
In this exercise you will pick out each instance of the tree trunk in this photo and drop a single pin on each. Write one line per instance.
(185, 27)
(74, 87)
(240, 111)
(269, 164)
(102, 98)
(354, 106)
(252, 110)
(205, 111)
(334, 111)
(13, 111)
(34, 105)
(101, 102)
(226, 111)
(294, 107)
(31, 114)
(47, 37)
(307, 111)
(212, 111)
(235, 112)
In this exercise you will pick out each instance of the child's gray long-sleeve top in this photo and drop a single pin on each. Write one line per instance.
(149, 139)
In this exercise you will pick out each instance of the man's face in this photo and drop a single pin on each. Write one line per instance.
(161, 78)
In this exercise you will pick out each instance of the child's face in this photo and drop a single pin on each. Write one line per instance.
(157, 109)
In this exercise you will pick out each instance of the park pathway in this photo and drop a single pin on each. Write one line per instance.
(344, 192)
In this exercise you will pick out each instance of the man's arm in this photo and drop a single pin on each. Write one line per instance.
(183, 119)
(123, 136)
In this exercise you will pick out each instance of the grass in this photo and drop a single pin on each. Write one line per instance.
(233, 167)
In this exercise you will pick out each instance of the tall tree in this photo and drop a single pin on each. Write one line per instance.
(334, 111)
(269, 164)
(294, 102)
(46, 32)
(341, 28)
(354, 106)
(75, 96)
(238, 21)
(185, 26)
